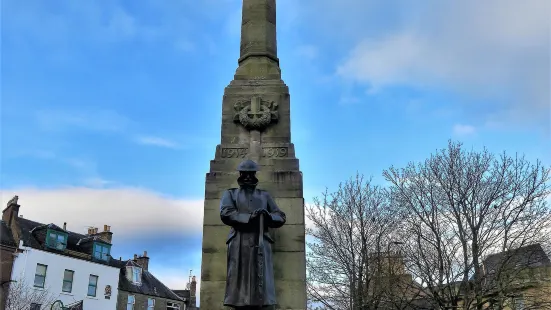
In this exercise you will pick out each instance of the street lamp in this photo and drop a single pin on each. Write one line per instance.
(58, 305)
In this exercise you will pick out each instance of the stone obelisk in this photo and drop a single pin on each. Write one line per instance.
(256, 125)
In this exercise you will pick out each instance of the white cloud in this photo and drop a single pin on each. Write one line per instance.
(129, 211)
(463, 130)
(93, 120)
(157, 141)
(496, 49)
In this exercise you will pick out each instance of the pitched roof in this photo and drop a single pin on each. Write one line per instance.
(150, 285)
(33, 235)
(182, 293)
(6, 237)
(524, 257)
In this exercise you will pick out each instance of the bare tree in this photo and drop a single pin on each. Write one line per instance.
(459, 207)
(351, 229)
(20, 296)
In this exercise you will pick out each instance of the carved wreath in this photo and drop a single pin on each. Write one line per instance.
(267, 113)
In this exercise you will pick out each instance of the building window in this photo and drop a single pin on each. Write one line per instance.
(67, 281)
(519, 303)
(101, 251)
(172, 306)
(56, 239)
(130, 303)
(134, 274)
(150, 303)
(40, 275)
(92, 285)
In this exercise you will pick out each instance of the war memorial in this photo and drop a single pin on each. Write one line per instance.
(256, 133)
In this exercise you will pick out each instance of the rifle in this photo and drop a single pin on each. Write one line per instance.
(260, 257)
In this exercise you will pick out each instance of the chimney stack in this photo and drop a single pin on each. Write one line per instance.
(142, 260)
(106, 235)
(192, 292)
(11, 212)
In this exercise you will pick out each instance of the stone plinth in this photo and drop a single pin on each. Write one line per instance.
(280, 175)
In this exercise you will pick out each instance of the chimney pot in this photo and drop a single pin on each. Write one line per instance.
(11, 212)
(135, 256)
(64, 225)
(95, 230)
(144, 253)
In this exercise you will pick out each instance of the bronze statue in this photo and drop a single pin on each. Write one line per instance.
(250, 212)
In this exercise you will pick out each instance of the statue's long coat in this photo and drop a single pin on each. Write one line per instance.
(243, 285)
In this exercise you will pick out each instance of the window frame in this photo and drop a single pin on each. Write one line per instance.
(153, 305)
(129, 304)
(35, 306)
(95, 286)
(172, 306)
(101, 246)
(71, 281)
(518, 302)
(57, 242)
(136, 275)
(39, 275)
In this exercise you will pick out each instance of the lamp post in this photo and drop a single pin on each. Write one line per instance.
(58, 305)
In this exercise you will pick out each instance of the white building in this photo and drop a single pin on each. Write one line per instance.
(66, 278)
(52, 263)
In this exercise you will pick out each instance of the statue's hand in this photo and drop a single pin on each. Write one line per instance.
(257, 213)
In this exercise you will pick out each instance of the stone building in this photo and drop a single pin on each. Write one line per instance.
(139, 289)
(519, 279)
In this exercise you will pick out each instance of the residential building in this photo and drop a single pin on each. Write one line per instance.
(53, 263)
(62, 265)
(519, 279)
(140, 290)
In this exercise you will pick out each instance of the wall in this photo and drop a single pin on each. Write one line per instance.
(25, 266)
(6, 260)
(141, 301)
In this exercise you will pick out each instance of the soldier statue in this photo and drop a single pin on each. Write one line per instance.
(250, 212)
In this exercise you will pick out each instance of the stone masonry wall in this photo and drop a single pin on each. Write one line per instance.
(141, 301)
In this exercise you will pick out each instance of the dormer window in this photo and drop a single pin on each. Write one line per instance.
(101, 250)
(56, 239)
(134, 274)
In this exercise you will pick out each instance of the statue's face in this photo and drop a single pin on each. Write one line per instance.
(248, 177)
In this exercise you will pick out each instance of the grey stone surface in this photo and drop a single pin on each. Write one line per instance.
(258, 75)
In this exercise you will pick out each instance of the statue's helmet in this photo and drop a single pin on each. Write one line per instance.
(247, 165)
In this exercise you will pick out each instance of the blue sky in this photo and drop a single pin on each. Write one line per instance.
(111, 109)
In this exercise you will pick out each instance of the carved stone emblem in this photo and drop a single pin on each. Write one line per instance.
(256, 114)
